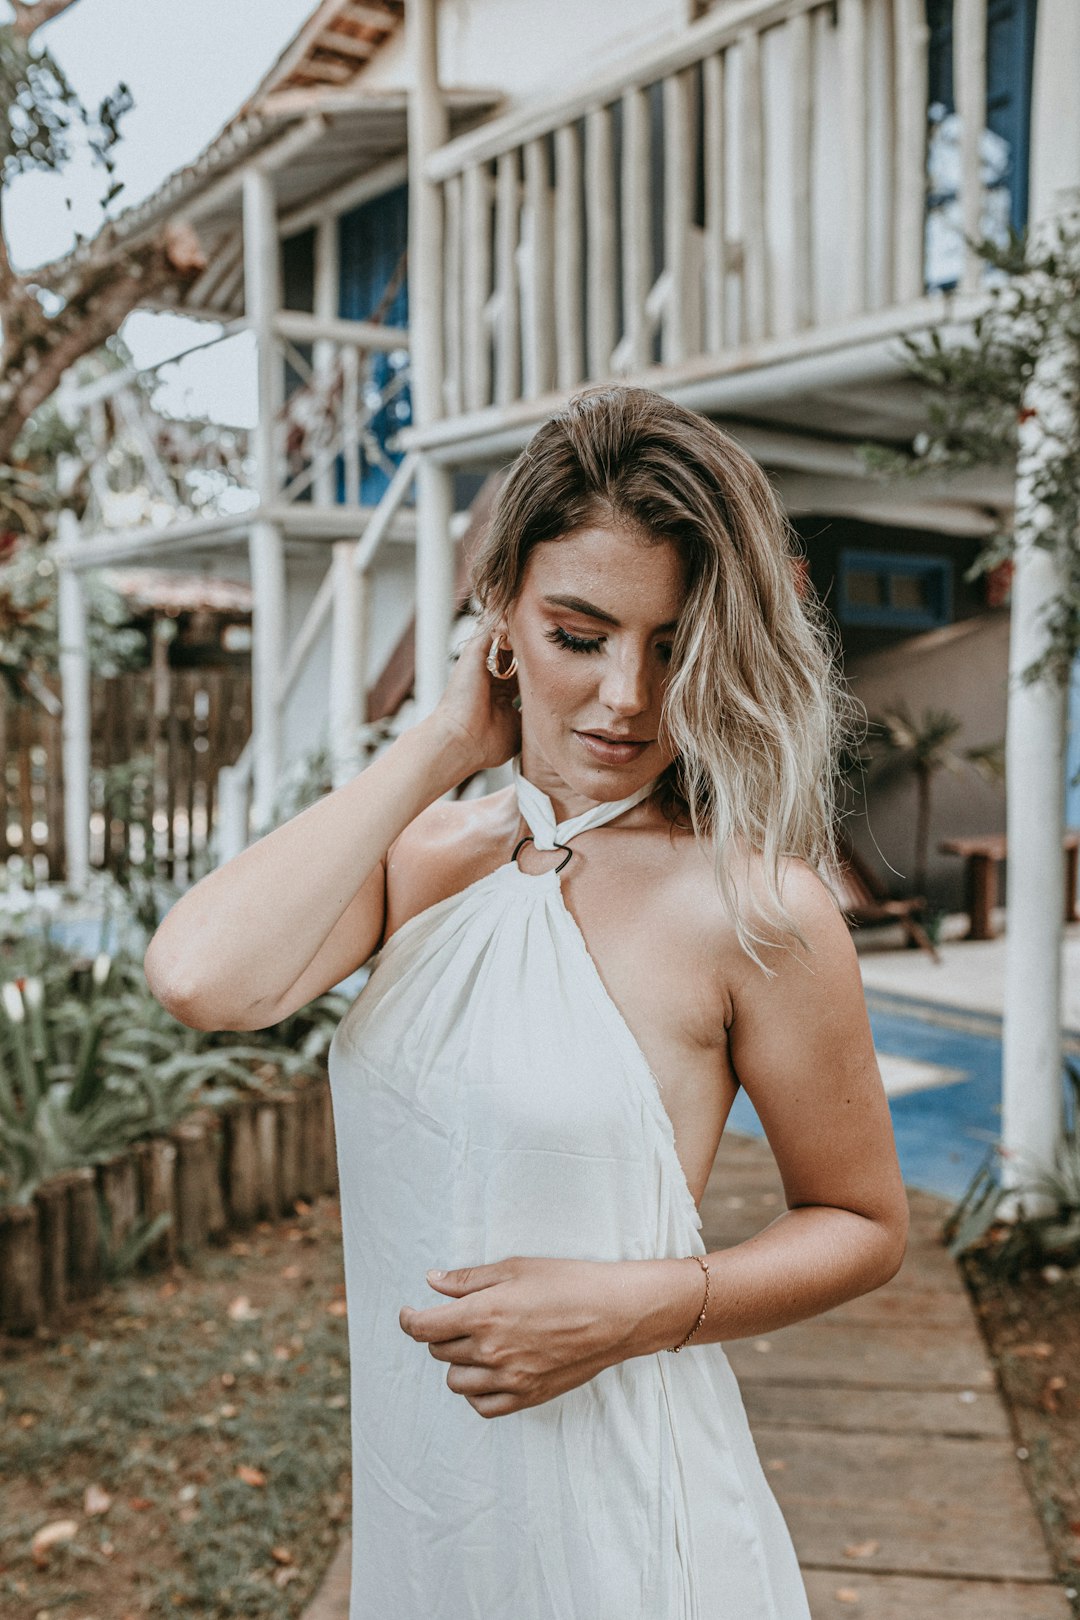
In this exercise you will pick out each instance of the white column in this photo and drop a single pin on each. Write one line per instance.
(75, 720)
(434, 487)
(1036, 726)
(327, 303)
(348, 662)
(262, 300)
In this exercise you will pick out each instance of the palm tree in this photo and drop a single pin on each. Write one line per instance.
(924, 748)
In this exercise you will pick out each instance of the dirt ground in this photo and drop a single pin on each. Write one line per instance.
(180, 1445)
(1032, 1329)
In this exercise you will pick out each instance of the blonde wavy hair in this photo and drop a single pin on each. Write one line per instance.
(756, 711)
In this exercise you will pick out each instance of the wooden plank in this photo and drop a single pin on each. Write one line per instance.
(911, 1495)
(802, 147)
(825, 1350)
(569, 261)
(601, 292)
(678, 336)
(911, 37)
(636, 228)
(839, 1594)
(877, 1411)
(476, 273)
(507, 315)
(538, 347)
(969, 80)
(713, 134)
(755, 290)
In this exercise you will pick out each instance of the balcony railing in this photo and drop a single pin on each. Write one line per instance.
(760, 177)
(342, 390)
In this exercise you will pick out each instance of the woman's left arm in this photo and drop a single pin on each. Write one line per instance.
(522, 1330)
(801, 1045)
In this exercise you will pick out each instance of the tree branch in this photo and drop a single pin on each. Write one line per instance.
(29, 17)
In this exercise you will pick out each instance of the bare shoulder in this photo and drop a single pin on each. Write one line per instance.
(443, 849)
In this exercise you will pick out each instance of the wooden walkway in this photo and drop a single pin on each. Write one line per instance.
(882, 1433)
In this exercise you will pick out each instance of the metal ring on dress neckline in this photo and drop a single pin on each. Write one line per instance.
(527, 838)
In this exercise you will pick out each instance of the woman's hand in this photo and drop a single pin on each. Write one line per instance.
(520, 1331)
(477, 709)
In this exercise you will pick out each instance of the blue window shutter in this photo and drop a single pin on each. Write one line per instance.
(1010, 51)
(372, 242)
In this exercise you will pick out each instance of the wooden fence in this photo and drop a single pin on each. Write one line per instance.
(214, 1171)
(186, 722)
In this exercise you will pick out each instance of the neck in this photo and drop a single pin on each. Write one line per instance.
(564, 801)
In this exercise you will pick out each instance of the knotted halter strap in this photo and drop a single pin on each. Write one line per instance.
(539, 813)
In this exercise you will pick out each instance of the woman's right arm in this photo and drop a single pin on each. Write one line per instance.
(305, 906)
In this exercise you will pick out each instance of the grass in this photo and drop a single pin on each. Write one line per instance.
(188, 1431)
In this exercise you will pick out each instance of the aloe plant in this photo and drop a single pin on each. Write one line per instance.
(1032, 1239)
(90, 1062)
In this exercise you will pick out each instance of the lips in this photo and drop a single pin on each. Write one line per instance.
(611, 751)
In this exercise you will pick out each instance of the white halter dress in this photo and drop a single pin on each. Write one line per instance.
(490, 1100)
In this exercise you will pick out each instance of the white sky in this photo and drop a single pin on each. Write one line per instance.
(188, 66)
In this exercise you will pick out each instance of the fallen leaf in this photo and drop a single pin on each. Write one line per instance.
(846, 1594)
(861, 1549)
(50, 1535)
(139, 1504)
(337, 1307)
(290, 1273)
(282, 1555)
(241, 1310)
(1039, 1348)
(96, 1500)
(282, 1577)
(250, 1476)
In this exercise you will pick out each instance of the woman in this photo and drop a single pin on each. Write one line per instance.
(571, 978)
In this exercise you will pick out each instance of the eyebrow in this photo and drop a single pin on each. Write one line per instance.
(579, 605)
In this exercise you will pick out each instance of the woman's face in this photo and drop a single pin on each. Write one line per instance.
(592, 628)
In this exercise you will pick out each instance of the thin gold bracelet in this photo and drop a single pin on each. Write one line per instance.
(704, 1264)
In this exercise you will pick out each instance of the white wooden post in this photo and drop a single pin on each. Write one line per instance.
(538, 352)
(852, 15)
(712, 119)
(476, 274)
(434, 487)
(636, 228)
(348, 662)
(911, 37)
(262, 298)
(678, 335)
(569, 308)
(507, 309)
(802, 130)
(327, 304)
(1031, 1126)
(969, 78)
(600, 336)
(75, 720)
(755, 270)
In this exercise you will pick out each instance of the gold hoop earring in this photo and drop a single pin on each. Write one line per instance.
(492, 659)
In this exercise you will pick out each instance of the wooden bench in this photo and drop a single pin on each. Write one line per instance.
(864, 899)
(983, 856)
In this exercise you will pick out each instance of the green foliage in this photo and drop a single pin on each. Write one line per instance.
(979, 398)
(1031, 1240)
(38, 108)
(90, 1062)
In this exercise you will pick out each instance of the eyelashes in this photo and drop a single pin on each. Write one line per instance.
(563, 638)
(582, 644)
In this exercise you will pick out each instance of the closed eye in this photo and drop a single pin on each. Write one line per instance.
(583, 644)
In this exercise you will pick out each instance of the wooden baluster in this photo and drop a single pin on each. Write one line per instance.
(452, 296)
(350, 421)
(910, 44)
(852, 16)
(600, 243)
(679, 336)
(712, 118)
(477, 286)
(569, 312)
(507, 318)
(755, 291)
(636, 228)
(538, 349)
(969, 79)
(802, 137)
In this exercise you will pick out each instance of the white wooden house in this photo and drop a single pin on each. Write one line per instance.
(743, 208)
(743, 204)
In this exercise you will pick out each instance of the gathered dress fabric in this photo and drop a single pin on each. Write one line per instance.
(489, 1101)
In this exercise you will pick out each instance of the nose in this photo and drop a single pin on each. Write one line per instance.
(624, 686)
